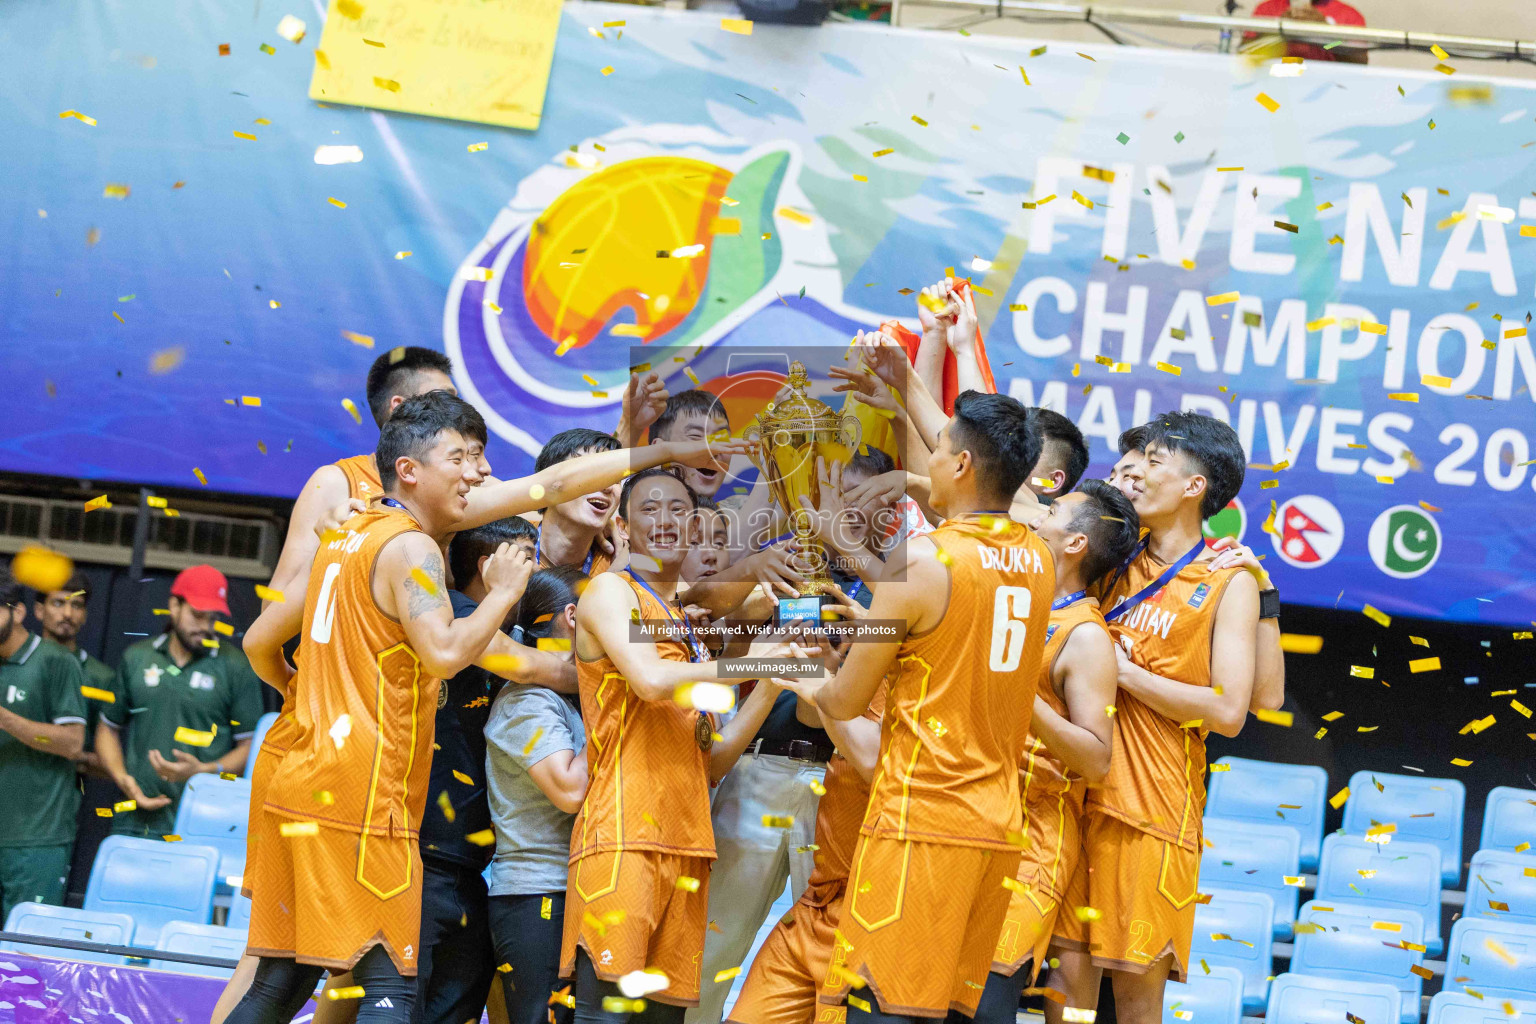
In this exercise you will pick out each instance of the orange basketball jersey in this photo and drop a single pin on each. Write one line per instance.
(1156, 779)
(362, 484)
(1049, 793)
(363, 708)
(962, 694)
(362, 478)
(649, 786)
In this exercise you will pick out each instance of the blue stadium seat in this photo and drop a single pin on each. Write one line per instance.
(1498, 877)
(153, 882)
(239, 912)
(199, 940)
(262, 725)
(1509, 819)
(1302, 999)
(214, 812)
(1460, 1008)
(1351, 943)
(68, 923)
(1243, 855)
(1425, 810)
(1214, 998)
(1248, 918)
(1399, 874)
(1496, 959)
(1269, 793)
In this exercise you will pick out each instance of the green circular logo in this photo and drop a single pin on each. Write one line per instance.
(1231, 521)
(1404, 542)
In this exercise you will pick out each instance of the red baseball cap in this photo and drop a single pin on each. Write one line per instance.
(203, 587)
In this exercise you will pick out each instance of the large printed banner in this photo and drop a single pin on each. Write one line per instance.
(1333, 260)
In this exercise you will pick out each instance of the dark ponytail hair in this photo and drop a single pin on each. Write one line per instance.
(544, 599)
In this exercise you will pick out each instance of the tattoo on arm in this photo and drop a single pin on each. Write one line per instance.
(426, 588)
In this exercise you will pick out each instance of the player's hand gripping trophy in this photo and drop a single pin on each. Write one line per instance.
(788, 438)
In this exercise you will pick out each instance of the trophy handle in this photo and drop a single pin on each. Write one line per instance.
(850, 432)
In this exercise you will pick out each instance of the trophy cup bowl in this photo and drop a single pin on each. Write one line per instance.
(788, 437)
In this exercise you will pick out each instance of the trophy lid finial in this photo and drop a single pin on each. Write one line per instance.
(798, 378)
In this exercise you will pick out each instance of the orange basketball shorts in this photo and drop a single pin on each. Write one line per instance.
(1046, 866)
(637, 910)
(1144, 889)
(942, 904)
(262, 830)
(328, 898)
(781, 987)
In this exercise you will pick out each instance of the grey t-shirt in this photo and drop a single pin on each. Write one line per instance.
(533, 836)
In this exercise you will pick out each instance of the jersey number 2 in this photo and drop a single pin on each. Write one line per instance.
(1010, 614)
(325, 606)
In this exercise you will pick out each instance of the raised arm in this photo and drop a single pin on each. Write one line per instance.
(1223, 706)
(742, 727)
(587, 473)
(409, 583)
(519, 663)
(324, 491)
(1086, 669)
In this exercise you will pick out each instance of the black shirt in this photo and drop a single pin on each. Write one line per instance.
(463, 708)
(781, 725)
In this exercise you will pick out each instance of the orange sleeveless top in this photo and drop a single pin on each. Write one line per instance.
(363, 708)
(838, 817)
(649, 780)
(1156, 779)
(363, 484)
(961, 695)
(1049, 792)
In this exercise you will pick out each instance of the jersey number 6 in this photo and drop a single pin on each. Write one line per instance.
(1010, 614)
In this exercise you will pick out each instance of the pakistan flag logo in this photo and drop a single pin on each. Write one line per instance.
(1404, 542)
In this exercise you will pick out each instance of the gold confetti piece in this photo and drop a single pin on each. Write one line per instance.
(687, 883)
(402, 254)
(1424, 665)
(1170, 368)
(171, 839)
(778, 821)
(1337, 800)
(200, 477)
(1228, 169)
(224, 629)
(882, 152)
(267, 49)
(794, 215)
(100, 501)
(1222, 299)
(727, 974)
(1014, 885)
(290, 829)
(1434, 380)
(1275, 717)
(1086, 914)
(1295, 880)
(1377, 615)
(194, 738)
(336, 202)
(78, 116)
(106, 812)
(114, 190)
(1362, 671)
(1460, 763)
(445, 805)
(1438, 52)
(1317, 325)
(365, 340)
(740, 26)
(345, 992)
(245, 135)
(1078, 1015)
(105, 696)
(1300, 643)
(1515, 332)
(1269, 104)
(463, 778)
(1498, 950)
(1403, 396)
(390, 85)
(1086, 57)
(485, 837)
(351, 407)
(268, 594)
(858, 1003)
(252, 400)
(1372, 328)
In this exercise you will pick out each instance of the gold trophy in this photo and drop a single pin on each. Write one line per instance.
(788, 437)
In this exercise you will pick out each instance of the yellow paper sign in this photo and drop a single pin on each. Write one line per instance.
(460, 59)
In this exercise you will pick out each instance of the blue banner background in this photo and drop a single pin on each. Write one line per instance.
(785, 118)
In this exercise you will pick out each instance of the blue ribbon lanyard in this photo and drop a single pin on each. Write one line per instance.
(538, 556)
(697, 650)
(1070, 599)
(1151, 588)
(392, 503)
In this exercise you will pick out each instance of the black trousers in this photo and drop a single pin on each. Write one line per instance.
(592, 990)
(281, 987)
(528, 941)
(455, 963)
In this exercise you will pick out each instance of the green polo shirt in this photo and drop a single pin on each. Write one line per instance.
(204, 708)
(100, 682)
(41, 681)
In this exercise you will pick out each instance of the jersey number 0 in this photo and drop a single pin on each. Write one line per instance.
(325, 606)
(1010, 615)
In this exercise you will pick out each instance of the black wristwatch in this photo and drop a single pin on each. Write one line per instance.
(1269, 603)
